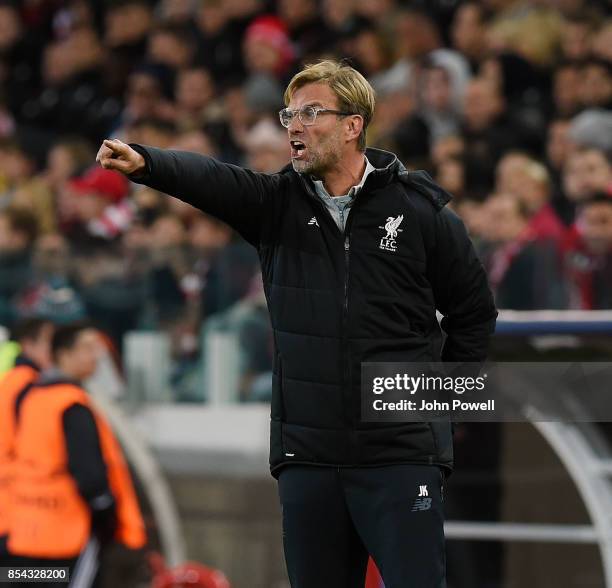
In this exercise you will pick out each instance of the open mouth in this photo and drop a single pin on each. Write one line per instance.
(297, 149)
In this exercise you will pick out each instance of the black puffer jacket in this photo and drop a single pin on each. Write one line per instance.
(337, 300)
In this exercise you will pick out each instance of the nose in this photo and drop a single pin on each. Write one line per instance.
(295, 126)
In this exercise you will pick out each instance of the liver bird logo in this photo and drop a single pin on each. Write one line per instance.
(392, 225)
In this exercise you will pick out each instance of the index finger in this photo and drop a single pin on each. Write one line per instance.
(116, 146)
(103, 153)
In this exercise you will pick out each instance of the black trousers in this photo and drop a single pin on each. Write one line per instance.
(334, 517)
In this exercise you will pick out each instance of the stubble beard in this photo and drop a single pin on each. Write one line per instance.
(319, 161)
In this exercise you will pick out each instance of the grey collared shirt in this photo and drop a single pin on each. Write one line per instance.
(339, 206)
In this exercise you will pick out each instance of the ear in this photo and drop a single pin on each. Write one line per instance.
(353, 126)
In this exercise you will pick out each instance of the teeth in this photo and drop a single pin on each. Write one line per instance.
(297, 144)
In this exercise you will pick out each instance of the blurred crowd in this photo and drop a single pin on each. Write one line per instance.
(506, 103)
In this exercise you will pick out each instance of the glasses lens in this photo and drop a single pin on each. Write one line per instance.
(308, 115)
(286, 116)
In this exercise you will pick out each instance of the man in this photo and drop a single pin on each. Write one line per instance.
(32, 338)
(18, 232)
(523, 268)
(71, 492)
(529, 180)
(102, 211)
(341, 290)
(587, 255)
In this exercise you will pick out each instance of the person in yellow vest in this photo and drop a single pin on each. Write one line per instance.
(72, 493)
(31, 339)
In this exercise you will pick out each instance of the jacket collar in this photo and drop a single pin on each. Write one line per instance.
(54, 376)
(386, 165)
(387, 168)
(23, 359)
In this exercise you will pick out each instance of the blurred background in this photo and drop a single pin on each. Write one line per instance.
(506, 103)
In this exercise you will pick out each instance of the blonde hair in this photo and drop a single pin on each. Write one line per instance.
(536, 171)
(354, 92)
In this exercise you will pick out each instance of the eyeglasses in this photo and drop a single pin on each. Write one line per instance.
(307, 115)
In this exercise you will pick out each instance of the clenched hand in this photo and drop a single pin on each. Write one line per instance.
(116, 155)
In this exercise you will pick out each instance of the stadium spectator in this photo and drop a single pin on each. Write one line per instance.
(20, 55)
(487, 131)
(524, 88)
(369, 50)
(195, 92)
(67, 157)
(558, 149)
(596, 84)
(16, 169)
(152, 131)
(418, 36)
(337, 14)
(175, 11)
(588, 254)
(126, 29)
(566, 89)
(529, 181)
(197, 141)
(473, 215)
(446, 147)
(532, 30)
(102, 211)
(223, 265)
(149, 93)
(73, 98)
(450, 174)
(170, 265)
(305, 26)
(601, 42)
(51, 290)
(267, 47)
(441, 101)
(586, 172)
(576, 33)
(219, 46)
(171, 45)
(523, 270)
(468, 32)
(18, 231)
(248, 322)
(592, 128)
(267, 149)
(269, 57)
(380, 12)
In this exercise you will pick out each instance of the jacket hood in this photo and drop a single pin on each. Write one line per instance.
(388, 165)
(422, 182)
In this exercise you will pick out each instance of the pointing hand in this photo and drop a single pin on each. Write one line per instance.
(116, 155)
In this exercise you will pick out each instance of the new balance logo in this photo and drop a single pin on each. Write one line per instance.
(421, 504)
(313, 221)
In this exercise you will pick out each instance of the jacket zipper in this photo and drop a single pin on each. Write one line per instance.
(347, 253)
(346, 356)
(346, 368)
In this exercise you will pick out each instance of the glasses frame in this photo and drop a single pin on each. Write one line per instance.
(317, 111)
